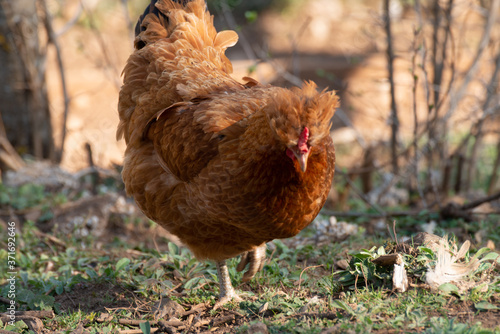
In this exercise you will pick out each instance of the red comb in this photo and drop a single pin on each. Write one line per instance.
(302, 143)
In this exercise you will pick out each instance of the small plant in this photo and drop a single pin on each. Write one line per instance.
(363, 272)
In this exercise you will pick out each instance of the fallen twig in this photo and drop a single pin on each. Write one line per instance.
(222, 320)
(4, 300)
(329, 316)
(194, 309)
(34, 323)
(201, 323)
(452, 210)
(50, 238)
(300, 276)
(351, 214)
(3, 331)
(136, 331)
(36, 314)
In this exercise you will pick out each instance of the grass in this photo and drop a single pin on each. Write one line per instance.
(301, 289)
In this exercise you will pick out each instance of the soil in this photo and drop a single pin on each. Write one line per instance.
(108, 299)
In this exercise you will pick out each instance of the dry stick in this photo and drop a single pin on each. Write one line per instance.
(222, 320)
(389, 214)
(480, 201)
(459, 93)
(340, 113)
(448, 37)
(394, 214)
(251, 54)
(3, 331)
(196, 308)
(403, 152)
(490, 89)
(418, 11)
(464, 141)
(294, 41)
(496, 167)
(33, 62)
(54, 41)
(280, 70)
(128, 21)
(229, 18)
(364, 197)
(137, 322)
(51, 238)
(136, 331)
(68, 25)
(458, 177)
(36, 314)
(438, 65)
(94, 175)
(303, 270)
(443, 146)
(394, 232)
(109, 64)
(394, 110)
(330, 316)
(9, 158)
(435, 143)
(436, 78)
(4, 300)
(416, 159)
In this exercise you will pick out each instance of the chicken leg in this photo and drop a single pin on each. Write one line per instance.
(256, 258)
(227, 292)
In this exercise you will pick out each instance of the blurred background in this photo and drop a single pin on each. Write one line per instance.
(418, 80)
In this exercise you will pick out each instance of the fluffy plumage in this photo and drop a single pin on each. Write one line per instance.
(224, 166)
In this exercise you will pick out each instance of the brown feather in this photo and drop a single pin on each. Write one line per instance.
(205, 154)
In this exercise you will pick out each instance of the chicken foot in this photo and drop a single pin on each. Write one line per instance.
(227, 292)
(256, 258)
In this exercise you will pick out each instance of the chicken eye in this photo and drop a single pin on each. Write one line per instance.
(221, 137)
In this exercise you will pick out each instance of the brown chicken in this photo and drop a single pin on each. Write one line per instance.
(224, 166)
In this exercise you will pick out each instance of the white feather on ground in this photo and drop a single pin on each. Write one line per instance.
(448, 270)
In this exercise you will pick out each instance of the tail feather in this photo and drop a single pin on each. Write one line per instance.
(151, 9)
(157, 12)
(179, 56)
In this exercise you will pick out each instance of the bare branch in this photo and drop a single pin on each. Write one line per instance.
(229, 18)
(53, 39)
(458, 94)
(71, 22)
(487, 112)
(494, 173)
(394, 111)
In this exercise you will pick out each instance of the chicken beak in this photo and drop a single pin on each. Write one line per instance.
(302, 159)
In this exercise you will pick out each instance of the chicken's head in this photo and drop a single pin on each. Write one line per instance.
(301, 119)
(300, 151)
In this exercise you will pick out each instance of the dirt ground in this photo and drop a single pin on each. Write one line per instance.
(103, 297)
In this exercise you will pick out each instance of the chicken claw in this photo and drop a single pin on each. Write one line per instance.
(256, 258)
(227, 292)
